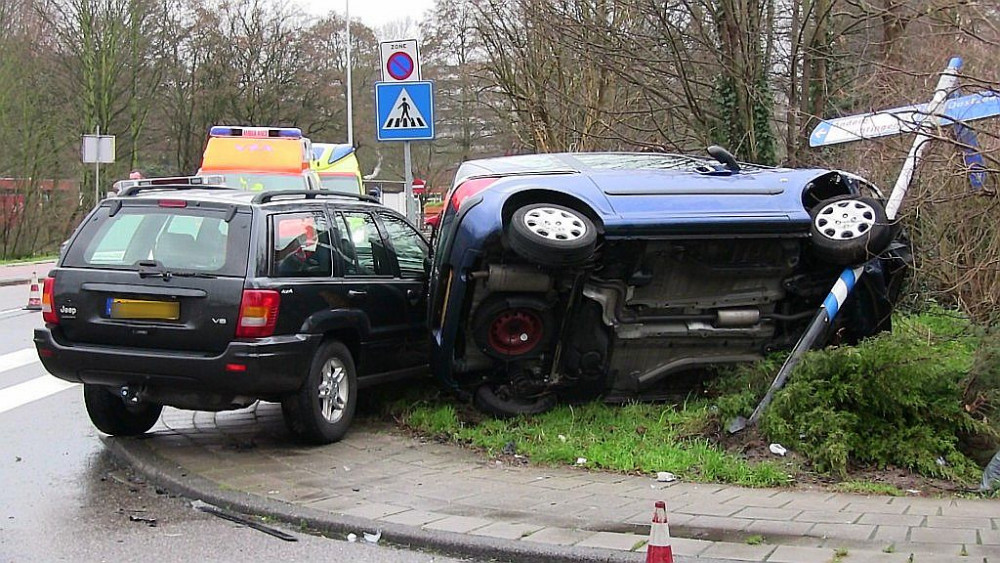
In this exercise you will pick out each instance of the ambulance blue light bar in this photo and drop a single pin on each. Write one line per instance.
(255, 132)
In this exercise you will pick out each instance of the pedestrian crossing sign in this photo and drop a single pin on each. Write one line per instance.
(404, 111)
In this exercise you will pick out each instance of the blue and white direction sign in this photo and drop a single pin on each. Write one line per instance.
(906, 119)
(404, 111)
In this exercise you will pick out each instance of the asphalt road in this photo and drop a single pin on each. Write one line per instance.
(62, 498)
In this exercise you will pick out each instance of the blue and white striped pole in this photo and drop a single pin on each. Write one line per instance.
(850, 276)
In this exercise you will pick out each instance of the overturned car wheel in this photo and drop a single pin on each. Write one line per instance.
(502, 401)
(848, 230)
(550, 234)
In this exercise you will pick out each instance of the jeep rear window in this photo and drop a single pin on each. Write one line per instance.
(180, 239)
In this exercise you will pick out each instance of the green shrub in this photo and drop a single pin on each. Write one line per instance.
(894, 400)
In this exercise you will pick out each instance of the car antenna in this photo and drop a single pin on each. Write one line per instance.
(725, 157)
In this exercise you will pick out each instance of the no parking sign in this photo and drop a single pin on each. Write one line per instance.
(400, 61)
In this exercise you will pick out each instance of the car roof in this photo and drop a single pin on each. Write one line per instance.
(231, 196)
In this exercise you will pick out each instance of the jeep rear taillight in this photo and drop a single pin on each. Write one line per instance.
(258, 313)
(49, 314)
(469, 189)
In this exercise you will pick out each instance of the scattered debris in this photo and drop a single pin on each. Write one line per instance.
(17, 458)
(510, 448)
(581, 461)
(778, 449)
(273, 492)
(665, 477)
(562, 438)
(373, 538)
(242, 445)
(151, 522)
(352, 537)
(941, 461)
(214, 511)
(913, 491)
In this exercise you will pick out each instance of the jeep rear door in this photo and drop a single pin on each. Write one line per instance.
(158, 274)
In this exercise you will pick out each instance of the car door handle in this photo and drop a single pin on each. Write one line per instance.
(356, 293)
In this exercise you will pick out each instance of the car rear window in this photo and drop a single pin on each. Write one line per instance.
(195, 240)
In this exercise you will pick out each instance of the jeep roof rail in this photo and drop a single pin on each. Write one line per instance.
(265, 197)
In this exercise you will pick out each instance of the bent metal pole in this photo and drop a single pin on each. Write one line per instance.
(849, 277)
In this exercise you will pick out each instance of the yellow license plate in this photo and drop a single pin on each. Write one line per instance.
(143, 309)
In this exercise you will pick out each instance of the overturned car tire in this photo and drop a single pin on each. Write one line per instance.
(551, 235)
(498, 401)
(849, 230)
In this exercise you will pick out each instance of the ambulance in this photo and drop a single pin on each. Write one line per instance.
(337, 166)
(259, 158)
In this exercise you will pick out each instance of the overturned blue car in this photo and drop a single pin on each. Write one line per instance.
(579, 275)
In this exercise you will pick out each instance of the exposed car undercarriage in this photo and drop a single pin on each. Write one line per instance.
(638, 313)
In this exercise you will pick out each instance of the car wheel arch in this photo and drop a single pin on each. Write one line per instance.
(826, 186)
(526, 197)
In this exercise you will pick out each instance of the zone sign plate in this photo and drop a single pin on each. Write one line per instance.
(400, 61)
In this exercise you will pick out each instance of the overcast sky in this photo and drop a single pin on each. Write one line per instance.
(373, 13)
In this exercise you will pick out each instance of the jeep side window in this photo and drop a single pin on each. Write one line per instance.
(300, 245)
(411, 250)
(364, 244)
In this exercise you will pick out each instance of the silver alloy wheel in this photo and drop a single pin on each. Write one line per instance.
(333, 390)
(845, 219)
(554, 224)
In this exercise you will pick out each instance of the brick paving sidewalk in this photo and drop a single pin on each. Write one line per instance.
(381, 478)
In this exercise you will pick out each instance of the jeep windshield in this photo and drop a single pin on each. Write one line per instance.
(163, 241)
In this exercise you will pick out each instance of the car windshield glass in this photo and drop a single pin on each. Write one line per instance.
(262, 182)
(177, 239)
(341, 184)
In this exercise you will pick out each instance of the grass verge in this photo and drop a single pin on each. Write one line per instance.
(898, 401)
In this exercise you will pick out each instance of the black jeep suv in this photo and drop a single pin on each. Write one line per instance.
(211, 298)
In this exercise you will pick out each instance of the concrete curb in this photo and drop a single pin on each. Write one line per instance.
(14, 281)
(133, 452)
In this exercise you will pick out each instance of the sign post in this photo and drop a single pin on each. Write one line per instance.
(97, 149)
(403, 114)
(851, 129)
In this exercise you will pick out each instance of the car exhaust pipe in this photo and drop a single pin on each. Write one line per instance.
(514, 278)
(737, 318)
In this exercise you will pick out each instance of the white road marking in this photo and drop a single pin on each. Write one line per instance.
(18, 359)
(31, 390)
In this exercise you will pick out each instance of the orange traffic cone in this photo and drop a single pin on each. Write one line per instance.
(658, 549)
(34, 295)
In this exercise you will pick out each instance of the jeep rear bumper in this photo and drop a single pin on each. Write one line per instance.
(260, 368)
